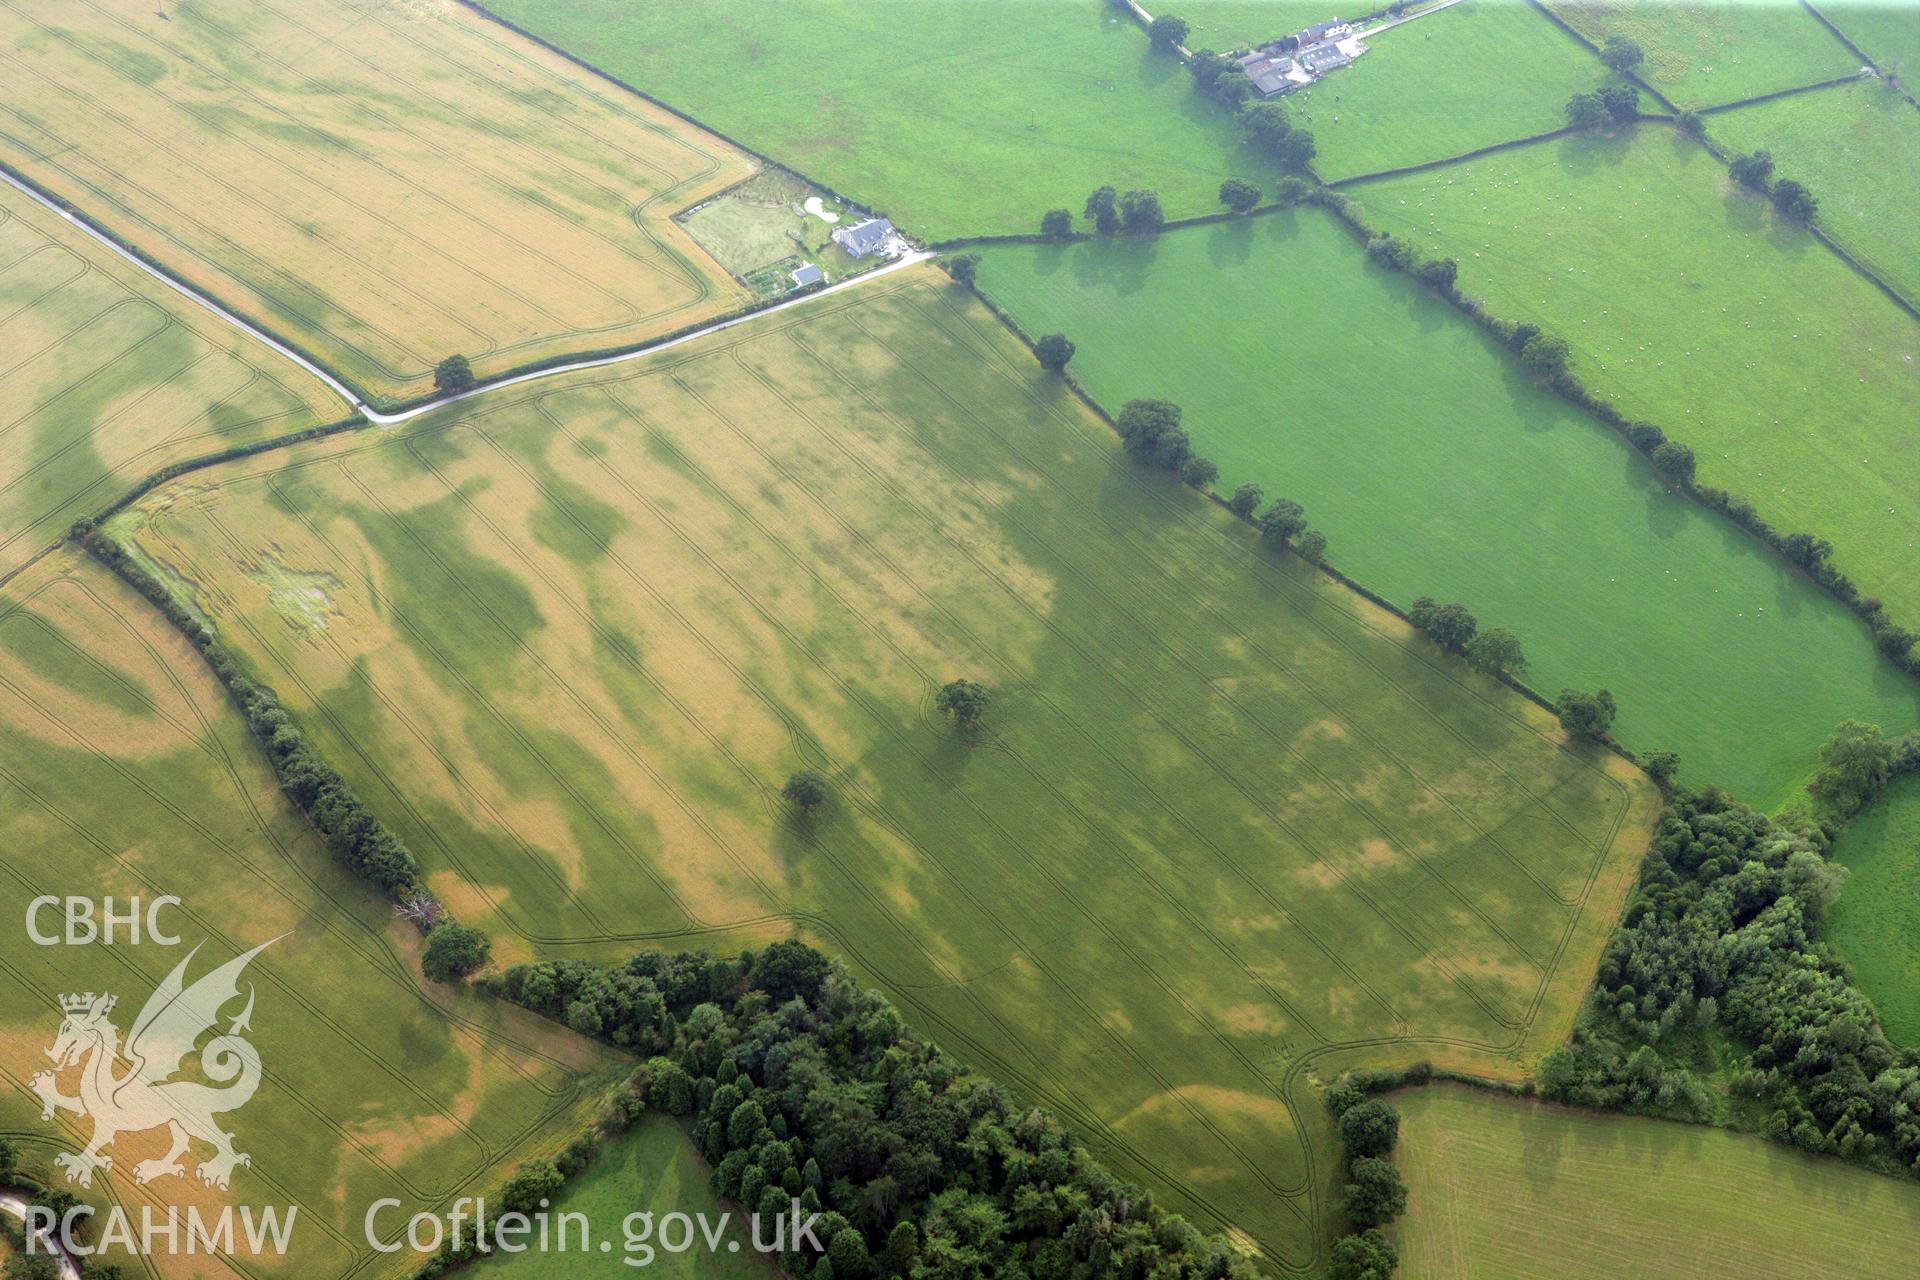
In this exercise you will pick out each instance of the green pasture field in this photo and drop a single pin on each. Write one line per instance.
(1875, 922)
(1225, 828)
(1227, 25)
(1502, 1188)
(1427, 89)
(1886, 32)
(1691, 304)
(125, 772)
(1436, 467)
(953, 117)
(651, 1169)
(1708, 52)
(107, 376)
(1856, 147)
(383, 185)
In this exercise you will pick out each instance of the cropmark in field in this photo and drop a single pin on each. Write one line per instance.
(1436, 466)
(1692, 304)
(384, 186)
(125, 773)
(108, 376)
(1513, 1189)
(1224, 826)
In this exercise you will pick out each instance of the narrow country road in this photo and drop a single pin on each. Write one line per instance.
(1405, 18)
(388, 419)
(15, 1205)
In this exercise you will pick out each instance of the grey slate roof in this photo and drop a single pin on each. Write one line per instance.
(806, 275)
(865, 237)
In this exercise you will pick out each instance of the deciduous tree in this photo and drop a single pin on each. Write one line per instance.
(1053, 351)
(1167, 31)
(1587, 714)
(1103, 209)
(453, 375)
(1239, 195)
(454, 951)
(965, 700)
(1622, 54)
(806, 789)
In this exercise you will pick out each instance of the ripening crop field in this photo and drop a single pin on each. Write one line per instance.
(953, 117)
(1709, 52)
(383, 185)
(107, 376)
(1857, 148)
(1437, 467)
(1410, 98)
(1223, 818)
(124, 771)
(1875, 922)
(1505, 1188)
(1693, 305)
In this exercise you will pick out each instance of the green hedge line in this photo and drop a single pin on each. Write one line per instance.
(354, 835)
(1805, 551)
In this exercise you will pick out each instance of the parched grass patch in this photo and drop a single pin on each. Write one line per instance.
(1875, 923)
(1856, 147)
(953, 117)
(1478, 73)
(1223, 823)
(106, 376)
(1437, 467)
(384, 185)
(1692, 304)
(125, 772)
(1505, 1188)
(1707, 52)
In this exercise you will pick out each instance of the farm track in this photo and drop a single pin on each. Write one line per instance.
(1298, 1056)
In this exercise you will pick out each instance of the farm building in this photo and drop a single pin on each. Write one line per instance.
(1331, 29)
(1323, 58)
(1283, 65)
(807, 274)
(1273, 73)
(875, 235)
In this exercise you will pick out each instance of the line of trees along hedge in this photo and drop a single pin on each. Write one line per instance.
(1547, 356)
(802, 1085)
(1375, 1195)
(1718, 971)
(354, 835)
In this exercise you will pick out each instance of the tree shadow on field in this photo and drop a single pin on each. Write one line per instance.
(1117, 263)
(1581, 155)
(1229, 244)
(1667, 512)
(1049, 258)
(1156, 67)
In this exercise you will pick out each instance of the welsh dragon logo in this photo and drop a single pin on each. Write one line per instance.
(144, 1097)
